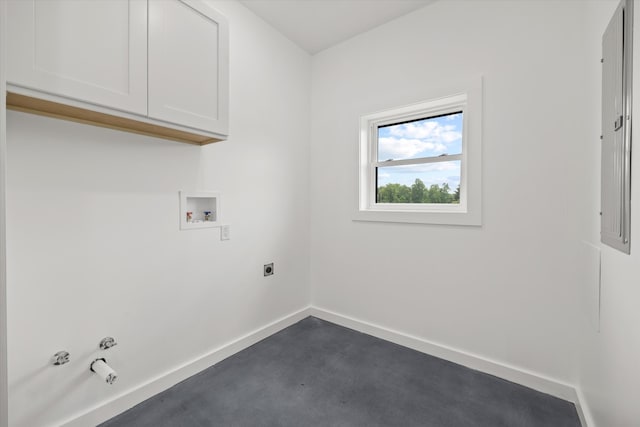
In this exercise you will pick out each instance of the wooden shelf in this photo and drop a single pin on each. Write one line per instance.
(42, 107)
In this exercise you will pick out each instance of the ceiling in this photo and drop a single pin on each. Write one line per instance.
(315, 25)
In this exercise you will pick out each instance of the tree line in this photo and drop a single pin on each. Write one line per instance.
(418, 193)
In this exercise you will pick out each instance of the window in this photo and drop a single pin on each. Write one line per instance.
(421, 163)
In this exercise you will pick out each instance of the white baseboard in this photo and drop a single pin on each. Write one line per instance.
(586, 418)
(502, 370)
(133, 396)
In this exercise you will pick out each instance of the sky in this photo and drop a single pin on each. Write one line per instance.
(418, 139)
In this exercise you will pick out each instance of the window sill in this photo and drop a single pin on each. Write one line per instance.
(436, 218)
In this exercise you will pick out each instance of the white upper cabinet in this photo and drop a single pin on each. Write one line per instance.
(158, 67)
(93, 51)
(188, 71)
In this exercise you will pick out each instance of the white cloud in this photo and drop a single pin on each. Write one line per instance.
(431, 130)
(401, 148)
(418, 139)
(429, 167)
(414, 130)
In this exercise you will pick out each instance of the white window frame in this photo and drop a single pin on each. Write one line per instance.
(466, 98)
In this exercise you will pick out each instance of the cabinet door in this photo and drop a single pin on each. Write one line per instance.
(93, 51)
(188, 65)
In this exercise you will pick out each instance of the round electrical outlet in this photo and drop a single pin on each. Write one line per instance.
(268, 269)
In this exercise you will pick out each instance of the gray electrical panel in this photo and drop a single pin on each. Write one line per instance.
(615, 224)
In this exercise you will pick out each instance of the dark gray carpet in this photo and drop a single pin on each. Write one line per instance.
(315, 373)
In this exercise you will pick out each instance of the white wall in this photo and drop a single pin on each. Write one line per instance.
(609, 369)
(504, 291)
(94, 245)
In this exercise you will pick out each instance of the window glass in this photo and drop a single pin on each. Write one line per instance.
(428, 137)
(437, 182)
